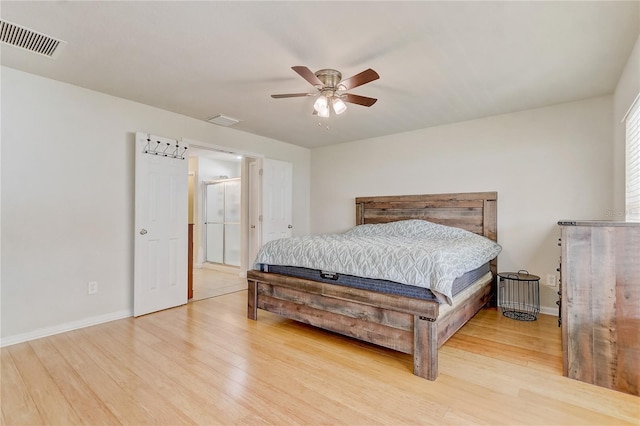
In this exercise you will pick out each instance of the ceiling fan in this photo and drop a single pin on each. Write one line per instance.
(330, 88)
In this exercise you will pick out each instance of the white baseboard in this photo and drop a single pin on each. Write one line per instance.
(549, 311)
(62, 328)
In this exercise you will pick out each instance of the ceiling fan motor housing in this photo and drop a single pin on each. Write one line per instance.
(330, 78)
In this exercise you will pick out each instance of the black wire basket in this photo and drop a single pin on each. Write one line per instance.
(519, 295)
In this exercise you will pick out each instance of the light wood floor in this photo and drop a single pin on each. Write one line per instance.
(205, 363)
(211, 283)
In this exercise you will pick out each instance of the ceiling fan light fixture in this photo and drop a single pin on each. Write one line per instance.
(324, 113)
(338, 105)
(321, 104)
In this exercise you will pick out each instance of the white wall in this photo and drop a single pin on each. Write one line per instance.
(212, 169)
(627, 90)
(67, 199)
(546, 164)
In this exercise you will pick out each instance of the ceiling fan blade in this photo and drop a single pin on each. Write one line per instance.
(357, 99)
(364, 77)
(292, 95)
(308, 75)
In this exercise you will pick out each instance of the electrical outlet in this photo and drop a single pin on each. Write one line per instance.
(551, 280)
(92, 287)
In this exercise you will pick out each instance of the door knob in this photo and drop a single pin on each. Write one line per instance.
(253, 227)
(143, 231)
(290, 226)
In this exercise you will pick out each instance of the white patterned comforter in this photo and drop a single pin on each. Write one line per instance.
(414, 252)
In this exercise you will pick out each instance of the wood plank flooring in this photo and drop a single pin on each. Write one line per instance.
(206, 363)
(211, 283)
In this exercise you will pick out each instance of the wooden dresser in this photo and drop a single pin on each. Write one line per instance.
(600, 303)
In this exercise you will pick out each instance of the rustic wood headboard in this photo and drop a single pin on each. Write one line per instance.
(474, 211)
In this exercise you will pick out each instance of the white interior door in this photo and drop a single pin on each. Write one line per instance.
(161, 224)
(255, 209)
(277, 199)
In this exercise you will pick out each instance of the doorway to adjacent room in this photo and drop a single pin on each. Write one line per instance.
(219, 193)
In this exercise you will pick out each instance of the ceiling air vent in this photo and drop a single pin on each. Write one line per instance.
(27, 39)
(223, 120)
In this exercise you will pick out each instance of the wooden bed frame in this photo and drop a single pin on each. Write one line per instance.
(408, 325)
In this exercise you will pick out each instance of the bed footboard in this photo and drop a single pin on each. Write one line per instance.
(407, 325)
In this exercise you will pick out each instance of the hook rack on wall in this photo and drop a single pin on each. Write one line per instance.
(165, 149)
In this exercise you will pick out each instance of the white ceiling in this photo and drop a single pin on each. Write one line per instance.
(439, 62)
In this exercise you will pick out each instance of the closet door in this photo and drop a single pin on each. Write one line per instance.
(214, 222)
(232, 240)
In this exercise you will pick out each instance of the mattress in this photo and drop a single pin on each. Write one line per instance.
(381, 286)
(412, 252)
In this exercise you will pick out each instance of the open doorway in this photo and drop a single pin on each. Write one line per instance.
(222, 195)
